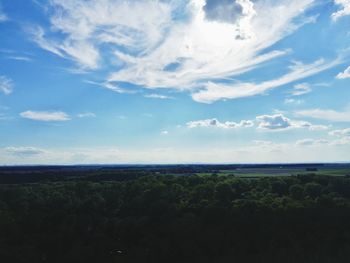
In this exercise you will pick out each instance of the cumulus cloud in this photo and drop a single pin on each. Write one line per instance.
(237, 12)
(215, 123)
(24, 151)
(273, 122)
(326, 114)
(344, 9)
(301, 89)
(6, 85)
(345, 74)
(280, 122)
(45, 115)
(211, 40)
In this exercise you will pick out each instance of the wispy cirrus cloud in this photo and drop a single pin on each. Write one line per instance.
(45, 116)
(325, 114)
(6, 85)
(209, 41)
(158, 96)
(86, 115)
(20, 58)
(214, 91)
(293, 101)
(301, 89)
(111, 86)
(345, 74)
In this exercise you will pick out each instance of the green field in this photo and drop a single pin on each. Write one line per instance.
(276, 172)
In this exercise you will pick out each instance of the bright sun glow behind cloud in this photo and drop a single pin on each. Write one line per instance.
(158, 50)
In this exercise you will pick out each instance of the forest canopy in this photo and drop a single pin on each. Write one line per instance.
(167, 218)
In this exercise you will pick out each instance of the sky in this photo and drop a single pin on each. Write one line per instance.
(156, 81)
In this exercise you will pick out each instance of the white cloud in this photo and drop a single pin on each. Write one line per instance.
(341, 133)
(45, 115)
(24, 151)
(209, 43)
(345, 74)
(329, 115)
(20, 58)
(312, 142)
(236, 12)
(86, 55)
(279, 122)
(6, 85)
(301, 89)
(157, 96)
(215, 123)
(293, 101)
(164, 132)
(90, 24)
(214, 91)
(273, 122)
(111, 86)
(344, 11)
(86, 115)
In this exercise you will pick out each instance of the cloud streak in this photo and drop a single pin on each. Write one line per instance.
(24, 151)
(158, 96)
(45, 116)
(301, 89)
(214, 91)
(345, 74)
(326, 114)
(6, 85)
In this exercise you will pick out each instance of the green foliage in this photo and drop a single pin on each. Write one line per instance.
(158, 218)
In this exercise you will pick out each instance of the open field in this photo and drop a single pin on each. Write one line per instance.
(18, 174)
(285, 172)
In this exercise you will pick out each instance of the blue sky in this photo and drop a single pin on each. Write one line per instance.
(200, 81)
